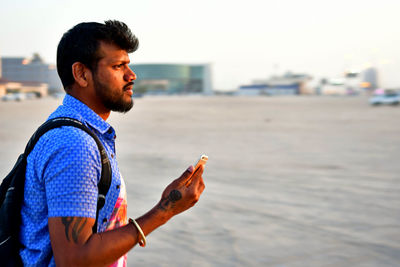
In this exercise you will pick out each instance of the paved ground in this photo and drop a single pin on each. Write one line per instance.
(291, 181)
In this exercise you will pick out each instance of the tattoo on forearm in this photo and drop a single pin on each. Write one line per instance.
(173, 197)
(75, 225)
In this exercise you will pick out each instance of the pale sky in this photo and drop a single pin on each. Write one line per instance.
(243, 40)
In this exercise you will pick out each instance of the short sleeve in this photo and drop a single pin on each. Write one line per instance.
(71, 171)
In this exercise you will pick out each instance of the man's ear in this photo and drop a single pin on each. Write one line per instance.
(81, 74)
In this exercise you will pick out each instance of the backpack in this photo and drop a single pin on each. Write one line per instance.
(12, 191)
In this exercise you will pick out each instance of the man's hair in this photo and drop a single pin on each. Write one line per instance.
(82, 42)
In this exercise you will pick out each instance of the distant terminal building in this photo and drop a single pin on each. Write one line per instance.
(173, 78)
(3, 87)
(370, 79)
(31, 71)
(11, 87)
(350, 83)
(287, 84)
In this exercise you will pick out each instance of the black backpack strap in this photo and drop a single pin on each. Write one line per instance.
(105, 180)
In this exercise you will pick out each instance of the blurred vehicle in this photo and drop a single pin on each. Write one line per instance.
(31, 95)
(14, 97)
(388, 97)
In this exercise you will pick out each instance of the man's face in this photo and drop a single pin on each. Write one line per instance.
(113, 79)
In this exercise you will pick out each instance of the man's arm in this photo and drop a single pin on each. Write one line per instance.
(74, 243)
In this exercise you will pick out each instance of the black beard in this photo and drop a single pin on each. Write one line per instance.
(110, 101)
(118, 106)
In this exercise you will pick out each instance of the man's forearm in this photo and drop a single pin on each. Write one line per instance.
(74, 244)
(101, 249)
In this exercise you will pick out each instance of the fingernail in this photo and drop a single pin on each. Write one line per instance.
(191, 168)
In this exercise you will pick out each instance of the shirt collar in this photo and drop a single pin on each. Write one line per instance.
(88, 115)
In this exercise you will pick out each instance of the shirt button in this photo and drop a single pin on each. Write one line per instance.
(104, 220)
(112, 155)
(118, 186)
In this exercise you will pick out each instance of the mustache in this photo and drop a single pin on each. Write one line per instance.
(128, 84)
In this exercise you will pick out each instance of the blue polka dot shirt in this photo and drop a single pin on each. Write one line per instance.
(61, 179)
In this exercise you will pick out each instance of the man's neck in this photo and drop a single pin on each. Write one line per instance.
(99, 109)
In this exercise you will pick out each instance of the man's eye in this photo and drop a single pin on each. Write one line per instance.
(118, 66)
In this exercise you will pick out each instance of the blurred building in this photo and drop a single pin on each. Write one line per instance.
(3, 88)
(348, 84)
(172, 78)
(36, 89)
(287, 84)
(370, 79)
(31, 71)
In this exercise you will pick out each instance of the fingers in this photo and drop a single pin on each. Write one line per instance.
(196, 185)
(197, 182)
(198, 172)
(185, 175)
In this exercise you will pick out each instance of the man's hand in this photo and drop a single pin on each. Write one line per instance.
(74, 244)
(182, 193)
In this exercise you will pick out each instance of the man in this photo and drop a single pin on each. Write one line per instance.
(63, 170)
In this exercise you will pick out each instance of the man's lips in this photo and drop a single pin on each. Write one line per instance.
(128, 86)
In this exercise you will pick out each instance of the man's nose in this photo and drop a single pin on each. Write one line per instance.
(130, 75)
